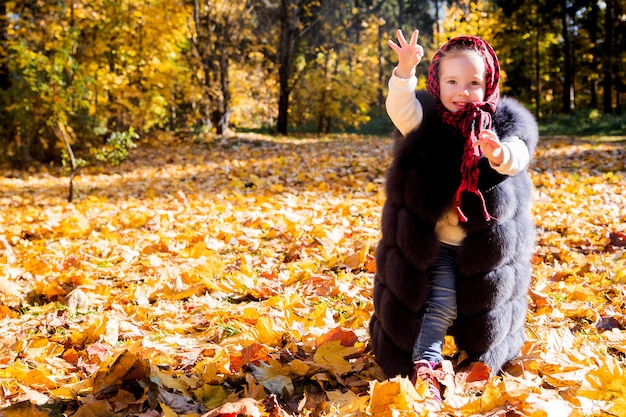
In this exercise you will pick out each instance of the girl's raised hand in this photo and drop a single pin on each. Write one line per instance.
(409, 53)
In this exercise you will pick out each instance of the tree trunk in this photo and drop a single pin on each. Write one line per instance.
(5, 81)
(7, 134)
(382, 74)
(593, 37)
(285, 51)
(211, 47)
(223, 122)
(538, 64)
(593, 95)
(607, 84)
(568, 80)
(437, 29)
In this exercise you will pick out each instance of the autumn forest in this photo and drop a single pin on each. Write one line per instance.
(191, 194)
(76, 72)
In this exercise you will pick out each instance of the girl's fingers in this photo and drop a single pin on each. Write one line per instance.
(401, 38)
(411, 47)
(393, 45)
(414, 36)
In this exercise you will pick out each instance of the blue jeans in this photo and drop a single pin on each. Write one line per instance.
(440, 308)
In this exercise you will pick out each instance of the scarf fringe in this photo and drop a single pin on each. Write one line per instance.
(463, 218)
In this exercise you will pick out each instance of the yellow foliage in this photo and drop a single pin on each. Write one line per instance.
(482, 19)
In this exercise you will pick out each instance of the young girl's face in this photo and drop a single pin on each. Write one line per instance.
(461, 80)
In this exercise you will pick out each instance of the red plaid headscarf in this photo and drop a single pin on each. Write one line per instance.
(474, 117)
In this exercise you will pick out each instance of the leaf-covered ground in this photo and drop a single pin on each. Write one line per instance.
(234, 277)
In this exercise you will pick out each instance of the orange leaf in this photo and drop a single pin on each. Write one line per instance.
(6, 312)
(370, 264)
(347, 338)
(251, 353)
(478, 372)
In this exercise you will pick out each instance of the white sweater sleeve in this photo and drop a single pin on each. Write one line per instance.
(516, 156)
(403, 108)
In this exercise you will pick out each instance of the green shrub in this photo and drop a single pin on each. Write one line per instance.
(588, 122)
(117, 146)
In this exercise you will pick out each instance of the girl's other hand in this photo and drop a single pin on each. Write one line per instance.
(490, 145)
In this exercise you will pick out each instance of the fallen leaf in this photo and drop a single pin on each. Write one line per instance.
(332, 356)
(23, 409)
(92, 407)
(397, 397)
(346, 337)
(272, 379)
(245, 406)
(126, 366)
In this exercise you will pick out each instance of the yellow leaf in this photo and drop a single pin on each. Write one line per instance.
(167, 380)
(493, 396)
(299, 367)
(16, 370)
(35, 378)
(619, 406)
(198, 250)
(341, 399)
(250, 314)
(211, 395)
(331, 355)
(566, 378)
(50, 290)
(608, 382)
(211, 370)
(91, 333)
(356, 408)
(396, 397)
(167, 411)
(370, 187)
(268, 333)
(72, 391)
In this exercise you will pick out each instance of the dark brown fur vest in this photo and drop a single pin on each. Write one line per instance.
(493, 260)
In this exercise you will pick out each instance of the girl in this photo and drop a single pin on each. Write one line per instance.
(457, 236)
